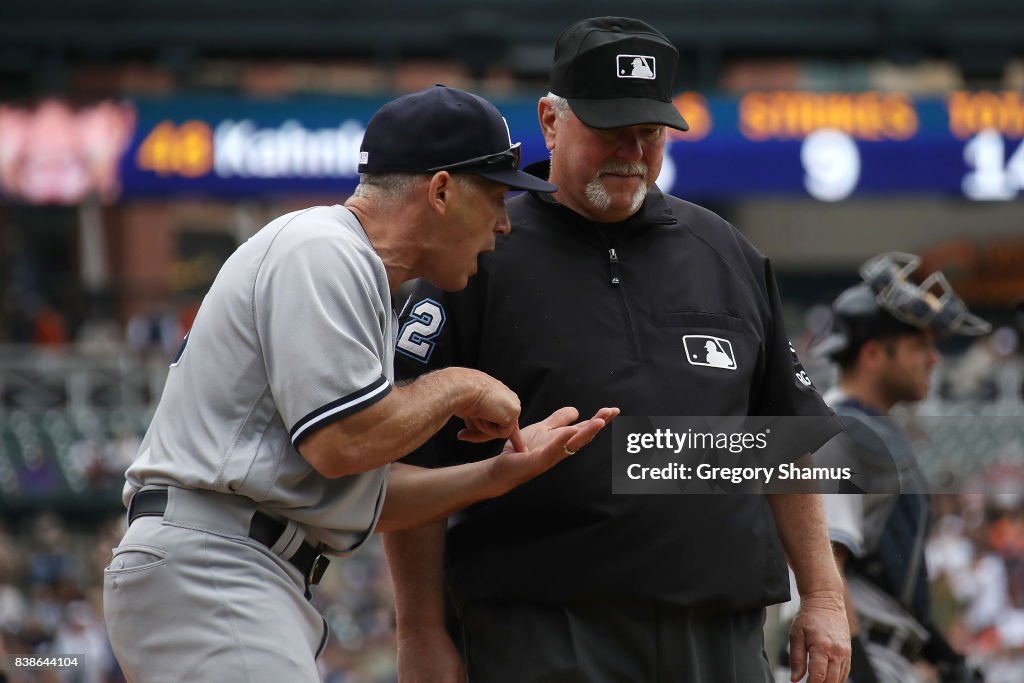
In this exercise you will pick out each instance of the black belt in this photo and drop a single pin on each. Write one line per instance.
(263, 528)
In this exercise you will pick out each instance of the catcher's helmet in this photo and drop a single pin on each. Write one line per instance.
(889, 303)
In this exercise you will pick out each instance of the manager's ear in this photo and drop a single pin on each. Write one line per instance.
(439, 192)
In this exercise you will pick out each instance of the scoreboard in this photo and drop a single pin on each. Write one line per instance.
(820, 145)
(831, 146)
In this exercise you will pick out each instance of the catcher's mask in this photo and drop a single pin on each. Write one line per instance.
(889, 303)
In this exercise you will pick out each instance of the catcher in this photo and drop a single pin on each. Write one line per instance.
(883, 340)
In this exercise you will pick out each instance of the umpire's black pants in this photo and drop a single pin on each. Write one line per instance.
(612, 642)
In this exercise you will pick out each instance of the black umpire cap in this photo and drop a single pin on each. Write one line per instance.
(444, 129)
(888, 303)
(615, 72)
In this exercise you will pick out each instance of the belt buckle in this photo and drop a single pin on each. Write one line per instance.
(316, 572)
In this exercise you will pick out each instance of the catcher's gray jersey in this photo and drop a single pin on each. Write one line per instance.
(296, 331)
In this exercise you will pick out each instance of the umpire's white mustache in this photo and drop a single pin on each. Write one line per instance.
(623, 168)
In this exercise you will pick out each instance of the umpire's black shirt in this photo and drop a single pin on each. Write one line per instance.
(568, 312)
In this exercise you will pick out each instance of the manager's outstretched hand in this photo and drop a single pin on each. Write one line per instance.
(547, 443)
(418, 495)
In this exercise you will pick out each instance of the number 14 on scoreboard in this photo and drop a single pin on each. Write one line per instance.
(994, 177)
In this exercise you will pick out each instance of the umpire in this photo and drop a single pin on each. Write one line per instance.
(611, 290)
(271, 445)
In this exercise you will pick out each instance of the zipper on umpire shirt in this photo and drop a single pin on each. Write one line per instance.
(613, 268)
(615, 279)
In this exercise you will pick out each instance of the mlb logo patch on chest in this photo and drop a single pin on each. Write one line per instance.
(636, 66)
(712, 352)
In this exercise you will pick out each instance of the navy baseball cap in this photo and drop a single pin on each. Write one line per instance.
(444, 129)
(617, 72)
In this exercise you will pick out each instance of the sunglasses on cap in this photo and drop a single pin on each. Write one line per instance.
(500, 161)
(932, 304)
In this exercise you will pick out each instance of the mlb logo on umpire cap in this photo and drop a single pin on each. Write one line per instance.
(640, 90)
(636, 66)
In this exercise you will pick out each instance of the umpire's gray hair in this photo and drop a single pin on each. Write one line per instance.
(388, 190)
(559, 104)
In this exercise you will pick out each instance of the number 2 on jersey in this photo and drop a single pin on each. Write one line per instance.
(416, 338)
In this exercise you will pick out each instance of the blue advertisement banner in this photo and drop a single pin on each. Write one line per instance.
(826, 146)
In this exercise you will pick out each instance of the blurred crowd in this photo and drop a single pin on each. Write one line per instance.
(976, 563)
(151, 332)
(51, 598)
(51, 603)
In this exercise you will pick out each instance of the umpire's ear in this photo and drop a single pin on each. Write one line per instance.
(548, 117)
(439, 192)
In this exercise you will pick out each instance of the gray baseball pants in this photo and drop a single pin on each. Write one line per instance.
(190, 597)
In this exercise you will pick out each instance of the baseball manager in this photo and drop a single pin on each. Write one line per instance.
(272, 443)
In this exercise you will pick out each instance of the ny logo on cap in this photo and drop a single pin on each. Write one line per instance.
(635, 66)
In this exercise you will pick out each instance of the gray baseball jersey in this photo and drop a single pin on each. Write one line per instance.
(296, 331)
